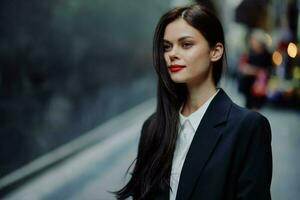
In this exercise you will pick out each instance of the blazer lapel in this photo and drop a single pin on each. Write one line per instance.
(203, 144)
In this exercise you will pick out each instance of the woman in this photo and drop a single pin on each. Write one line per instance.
(198, 144)
(254, 71)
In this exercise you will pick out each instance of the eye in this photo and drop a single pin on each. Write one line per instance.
(167, 47)
(187, 45)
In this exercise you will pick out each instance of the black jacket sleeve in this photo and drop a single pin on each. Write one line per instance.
(255, 175)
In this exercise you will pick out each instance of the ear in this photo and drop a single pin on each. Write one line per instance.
(216, 52)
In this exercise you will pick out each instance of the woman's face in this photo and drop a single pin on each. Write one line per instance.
(187, 53)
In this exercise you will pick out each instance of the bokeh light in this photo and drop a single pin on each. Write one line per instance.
(292, 50)
(277, 58)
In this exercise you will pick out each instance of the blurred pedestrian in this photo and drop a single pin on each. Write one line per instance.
(254, 70)
(198, 144)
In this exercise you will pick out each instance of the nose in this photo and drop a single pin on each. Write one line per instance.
(173, 54)
(173, 58)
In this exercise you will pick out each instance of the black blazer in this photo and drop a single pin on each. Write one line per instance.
(230, 157)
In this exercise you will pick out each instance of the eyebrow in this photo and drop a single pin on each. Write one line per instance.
(180, 39)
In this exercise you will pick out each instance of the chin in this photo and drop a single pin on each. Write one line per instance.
(178, 80)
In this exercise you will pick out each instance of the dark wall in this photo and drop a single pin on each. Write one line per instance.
(66, 66)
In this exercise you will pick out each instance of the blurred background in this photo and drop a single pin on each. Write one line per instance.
(77, 82)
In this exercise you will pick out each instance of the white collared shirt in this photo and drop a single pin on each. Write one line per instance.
(188, 127)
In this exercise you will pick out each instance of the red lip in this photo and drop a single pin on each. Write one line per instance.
(176, 68)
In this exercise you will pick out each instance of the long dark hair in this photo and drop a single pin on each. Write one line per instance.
(151, 173)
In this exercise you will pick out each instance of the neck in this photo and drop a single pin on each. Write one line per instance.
(198, 94)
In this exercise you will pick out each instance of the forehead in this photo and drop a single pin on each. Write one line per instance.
(180, 28)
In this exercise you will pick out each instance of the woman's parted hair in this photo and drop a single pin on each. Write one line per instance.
(151, 173)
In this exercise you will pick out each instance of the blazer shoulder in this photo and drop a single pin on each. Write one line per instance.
(250, 122)
(245, 114)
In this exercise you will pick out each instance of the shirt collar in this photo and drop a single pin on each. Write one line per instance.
(196, 116)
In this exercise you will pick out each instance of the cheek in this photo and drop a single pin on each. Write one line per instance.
(166, 58)
(199, 59)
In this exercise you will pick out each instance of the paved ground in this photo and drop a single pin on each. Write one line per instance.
(101, 168)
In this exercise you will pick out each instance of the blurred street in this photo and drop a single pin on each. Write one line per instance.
(100, 168)
(77, 82)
